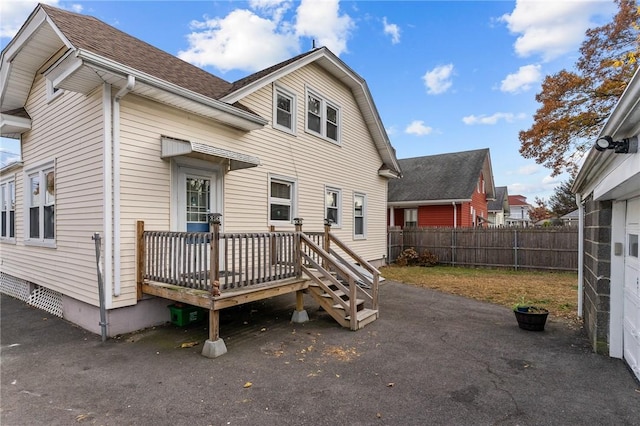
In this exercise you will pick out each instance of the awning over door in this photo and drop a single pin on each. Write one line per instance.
(175, 147)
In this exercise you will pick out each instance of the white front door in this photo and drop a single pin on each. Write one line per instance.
(631, 312)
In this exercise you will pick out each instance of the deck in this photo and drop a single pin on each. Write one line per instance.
(215, 271)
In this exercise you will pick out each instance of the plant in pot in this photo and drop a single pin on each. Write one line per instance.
(529, 316)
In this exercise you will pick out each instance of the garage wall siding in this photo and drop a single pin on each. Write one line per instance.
(597, 263)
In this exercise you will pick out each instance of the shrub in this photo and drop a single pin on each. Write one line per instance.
(410, 257)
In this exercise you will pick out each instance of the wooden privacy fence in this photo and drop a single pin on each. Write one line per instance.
(520, 248)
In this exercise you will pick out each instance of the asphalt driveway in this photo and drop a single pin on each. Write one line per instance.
(431, 358)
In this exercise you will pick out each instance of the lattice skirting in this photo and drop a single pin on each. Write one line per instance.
(41, 297)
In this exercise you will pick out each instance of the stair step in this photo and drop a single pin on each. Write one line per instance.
(365, 316)
(339, 306)
(338, 293)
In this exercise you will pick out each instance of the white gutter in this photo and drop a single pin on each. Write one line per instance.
(427, 202)
(108, 192)
(131, 82)
(580, 253)
(142, 77)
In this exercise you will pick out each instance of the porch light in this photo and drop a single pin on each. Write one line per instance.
(328, 222)
(214, 218)
(625, 146)
(297, 221)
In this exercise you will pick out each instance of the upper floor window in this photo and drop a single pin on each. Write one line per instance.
(8, 209)
(323, 117)
(281, 199)
(41, 200)
(359, 215)
(333, 206)
(284, 110)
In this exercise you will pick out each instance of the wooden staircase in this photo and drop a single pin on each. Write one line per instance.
(350, 297)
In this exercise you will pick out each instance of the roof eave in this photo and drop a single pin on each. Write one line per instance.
(242, 119)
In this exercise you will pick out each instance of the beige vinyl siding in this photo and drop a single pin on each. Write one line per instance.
(146, 192)
(68, 130)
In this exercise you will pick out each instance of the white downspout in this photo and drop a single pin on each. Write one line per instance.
(455, 215)
(107, 198)
(131, 82)
(392, 219)
(580, 252)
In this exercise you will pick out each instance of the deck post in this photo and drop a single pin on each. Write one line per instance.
(300, 315)
(140, 252)
(214, 346)
(272, 246)
(326, 241)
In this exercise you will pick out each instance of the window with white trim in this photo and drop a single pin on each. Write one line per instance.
(8, 209)
(333, 206)
(410, 218)
(323, 117)
(41, 202)
(282, 199)
(284, 110)
(359, 215)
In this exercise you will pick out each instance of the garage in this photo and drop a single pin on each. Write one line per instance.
(631, 309)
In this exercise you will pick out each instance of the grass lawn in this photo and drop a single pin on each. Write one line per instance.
(555, 291)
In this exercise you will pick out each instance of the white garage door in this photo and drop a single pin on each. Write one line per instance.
(631, 337)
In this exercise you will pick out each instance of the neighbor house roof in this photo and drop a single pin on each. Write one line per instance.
(442, 178)
(501, 202)
(518, 200)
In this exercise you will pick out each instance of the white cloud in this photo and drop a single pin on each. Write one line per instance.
(322, 21)
(418, 128)
(527, 170)
(492, 119)
(77, 8)
(251, 40)
(14, 13)
(552, 28)
(438, 80)
(522, 80)
(241, 40)
(391, 29)
(391, 130)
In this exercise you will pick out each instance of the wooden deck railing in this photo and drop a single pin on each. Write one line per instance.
(242, 260)
(190, 260)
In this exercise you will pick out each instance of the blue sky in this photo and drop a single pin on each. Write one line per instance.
(446, 76)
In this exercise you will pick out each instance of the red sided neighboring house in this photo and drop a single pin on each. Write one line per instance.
(442, 190)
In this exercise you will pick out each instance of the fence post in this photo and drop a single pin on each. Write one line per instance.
(140, 257)
(515, 247)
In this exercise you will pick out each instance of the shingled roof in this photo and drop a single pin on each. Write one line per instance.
(89, 33)
(499, 202)
(452, 176)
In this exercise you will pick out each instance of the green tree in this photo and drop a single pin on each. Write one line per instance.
(575, 104)
(563, 201)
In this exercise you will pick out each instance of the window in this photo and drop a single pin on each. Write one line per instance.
(281, 199)
(323, 117)
(359, 215)
(284, 107)
(40, 196)
(8, 209)
(333, 206)
(410, 218)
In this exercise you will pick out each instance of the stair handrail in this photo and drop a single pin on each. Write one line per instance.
(352, 290)
(375, 273)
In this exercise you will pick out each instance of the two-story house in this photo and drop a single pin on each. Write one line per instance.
(114, 131)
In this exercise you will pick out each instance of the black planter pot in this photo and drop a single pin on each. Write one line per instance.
(532, 319)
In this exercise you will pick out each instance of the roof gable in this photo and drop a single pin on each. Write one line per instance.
(88, 33)
(501, 201)
(337, 68)
(443, 177)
